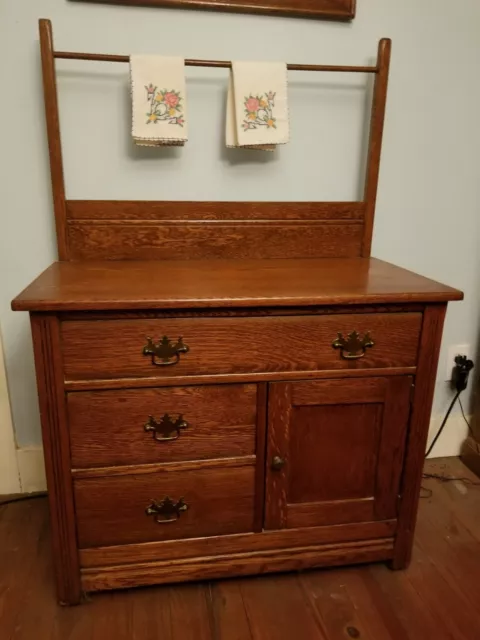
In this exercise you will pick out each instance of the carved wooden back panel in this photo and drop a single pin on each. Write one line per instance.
(136, 230)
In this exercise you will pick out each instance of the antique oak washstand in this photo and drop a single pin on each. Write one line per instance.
(259, 403)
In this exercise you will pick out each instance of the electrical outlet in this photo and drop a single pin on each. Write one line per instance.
(453, 352)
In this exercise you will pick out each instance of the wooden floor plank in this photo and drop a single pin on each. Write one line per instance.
(150, 613)
(189, 615)
(450, 607)
(435, 599)
(230, 620)
(25, 567)
(336, 613)
(461, 499)
(379, 620)
(277, 609)
(449, 545)
(401, 601)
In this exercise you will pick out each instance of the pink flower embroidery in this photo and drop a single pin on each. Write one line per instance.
(164, 106)
(171, 99)
(252, 104)
(259, 111)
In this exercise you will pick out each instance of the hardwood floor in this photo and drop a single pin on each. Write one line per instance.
(437, 598)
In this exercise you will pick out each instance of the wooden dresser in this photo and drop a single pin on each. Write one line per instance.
(260, 406)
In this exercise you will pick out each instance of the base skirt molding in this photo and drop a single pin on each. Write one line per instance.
(239, 564)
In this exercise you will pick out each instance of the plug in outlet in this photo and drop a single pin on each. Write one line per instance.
(453, 351)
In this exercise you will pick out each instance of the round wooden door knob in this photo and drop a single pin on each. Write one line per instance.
(278, 463)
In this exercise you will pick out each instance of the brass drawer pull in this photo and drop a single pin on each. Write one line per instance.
(166, 510)
(167, 429)
(165, 352)
(353, 347)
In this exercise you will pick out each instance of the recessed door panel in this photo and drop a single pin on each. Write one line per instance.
(335, 449)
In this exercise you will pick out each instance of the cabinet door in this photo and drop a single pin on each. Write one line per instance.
(335, 450)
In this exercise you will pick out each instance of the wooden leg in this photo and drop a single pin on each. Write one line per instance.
(56, 446)
(429, 349)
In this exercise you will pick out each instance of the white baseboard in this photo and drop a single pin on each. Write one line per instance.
(32, 468)
(452, 438)
(9, 473)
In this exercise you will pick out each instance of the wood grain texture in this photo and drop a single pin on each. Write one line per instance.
(107, 427)
(321, 435)
(229, 618)
(283, 618)
(147, 382)
(396, 415)
(129, 285)
(342, 442)
(206, 568)
(24, 543)
(375, 144)
(311, 514)
(56, 446)
(53, 135)
(279, 413)
(114, 349)
(260, 453)
(164, 467)
(235, 543)
(430, 343)
(111, 510)
(213, 240)
(249, 312)
(158, 211)
(326, 9)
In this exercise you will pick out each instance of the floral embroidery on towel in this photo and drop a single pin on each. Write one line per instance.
(259, 111)
(164, 105)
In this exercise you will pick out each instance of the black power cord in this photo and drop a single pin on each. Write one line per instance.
(444, 422)
(460, 375)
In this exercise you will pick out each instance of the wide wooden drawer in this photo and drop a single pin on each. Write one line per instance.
(115, 348)
(136, 426)
(112, 510)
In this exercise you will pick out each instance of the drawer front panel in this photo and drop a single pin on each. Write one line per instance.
(110, 428)
(115, 348)
(113, 510)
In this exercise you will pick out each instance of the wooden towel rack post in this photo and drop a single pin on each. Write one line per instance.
(53, 134)
(376, 136)
(296, 229)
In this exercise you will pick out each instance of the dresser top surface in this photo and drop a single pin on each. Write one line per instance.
(116, 285)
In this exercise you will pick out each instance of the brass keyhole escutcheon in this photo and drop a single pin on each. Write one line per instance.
(278, 463)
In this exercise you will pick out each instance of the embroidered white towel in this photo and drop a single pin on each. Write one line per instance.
(257, 105)
(158, 100)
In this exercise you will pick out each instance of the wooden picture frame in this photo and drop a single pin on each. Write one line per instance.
(342, 10)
